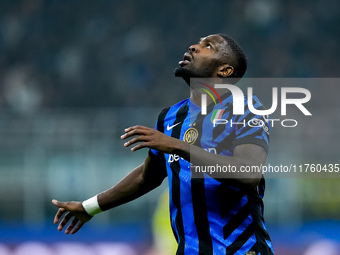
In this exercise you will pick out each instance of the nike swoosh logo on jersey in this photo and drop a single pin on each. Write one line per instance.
(171, 127)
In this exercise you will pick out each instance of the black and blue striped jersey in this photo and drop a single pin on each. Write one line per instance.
(209, 216)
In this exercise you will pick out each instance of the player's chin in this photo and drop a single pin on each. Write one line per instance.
(184, 72)
(179, 71)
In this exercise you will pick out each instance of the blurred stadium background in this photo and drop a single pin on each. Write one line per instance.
(74, 74)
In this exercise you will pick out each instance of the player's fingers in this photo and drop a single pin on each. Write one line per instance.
(135, 130)
(135, 127)
(71, 226)
(58, 215)
(140, 138)
(62, 224)
(58, 203)
(139, 146)
(76, 228)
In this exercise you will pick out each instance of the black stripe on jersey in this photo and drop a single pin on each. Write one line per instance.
(254, 248)
(160, 127)
(249, 127)
(260, 232)
(226, 143)
(251, 138)
(257, 249)
(176, 191)
(226, 95)
(219, 129)
(199, 203)
(250, 115)
(245, 140)
(200, 215)
(236, 221)
(241, 240)
(231, 195)
(160, 121)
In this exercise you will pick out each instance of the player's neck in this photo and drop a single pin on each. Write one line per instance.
(196, 97)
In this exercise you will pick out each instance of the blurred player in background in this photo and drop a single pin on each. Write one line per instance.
(211, 213)
(164, 242)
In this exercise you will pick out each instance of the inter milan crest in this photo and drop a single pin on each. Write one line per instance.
(190, 135)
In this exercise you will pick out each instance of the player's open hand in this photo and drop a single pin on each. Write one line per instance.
(150, 138)
(73, 210)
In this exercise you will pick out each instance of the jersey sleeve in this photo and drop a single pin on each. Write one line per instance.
(252, 128)
(160, 127)
(153, 152)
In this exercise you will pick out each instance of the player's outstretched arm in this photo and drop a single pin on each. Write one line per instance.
(70, 210)
(138, 182)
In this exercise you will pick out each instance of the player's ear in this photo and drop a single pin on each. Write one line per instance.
(225, 71)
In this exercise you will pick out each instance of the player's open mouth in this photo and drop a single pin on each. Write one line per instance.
(186, 60)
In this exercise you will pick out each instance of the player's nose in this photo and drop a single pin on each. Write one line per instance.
(194, 48)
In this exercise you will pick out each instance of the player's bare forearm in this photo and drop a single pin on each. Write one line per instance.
(138, 182)
(244, 155)
(146, 137)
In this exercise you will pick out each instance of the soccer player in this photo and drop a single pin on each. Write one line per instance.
(217, 212)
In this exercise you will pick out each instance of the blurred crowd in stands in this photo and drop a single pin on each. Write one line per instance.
(81, 53)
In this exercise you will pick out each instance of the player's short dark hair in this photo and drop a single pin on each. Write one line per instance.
(239, 57)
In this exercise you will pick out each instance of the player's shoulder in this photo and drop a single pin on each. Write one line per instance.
(180, 104)
(255, 102)
(174, 108)
(254, 98)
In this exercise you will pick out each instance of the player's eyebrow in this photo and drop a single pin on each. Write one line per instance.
(205, 39)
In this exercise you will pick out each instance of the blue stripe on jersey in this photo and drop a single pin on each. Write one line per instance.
(246, 133)
(248, 245)
(172, 206)
(264, 225)
(172, 118)
(191, 236)
(191, 241)
(239, 230)
(264, 137)
(269, 243)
